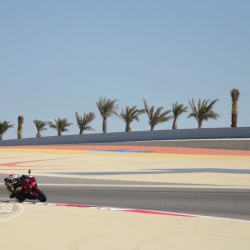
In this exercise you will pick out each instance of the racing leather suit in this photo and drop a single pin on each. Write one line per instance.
(11, 184)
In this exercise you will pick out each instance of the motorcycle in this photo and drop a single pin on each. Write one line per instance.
(27, 189)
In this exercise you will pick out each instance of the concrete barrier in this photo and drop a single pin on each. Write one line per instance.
(180, 134)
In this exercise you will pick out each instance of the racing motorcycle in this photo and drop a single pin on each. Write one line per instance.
(27, 189)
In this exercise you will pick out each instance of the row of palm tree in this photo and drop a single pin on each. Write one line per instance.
(203, 111)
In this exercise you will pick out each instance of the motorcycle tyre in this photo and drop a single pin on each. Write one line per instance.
(41, 196)
(20, 197)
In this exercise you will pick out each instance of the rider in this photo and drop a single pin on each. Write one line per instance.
(11, 183)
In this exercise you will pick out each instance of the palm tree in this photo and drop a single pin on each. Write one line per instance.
(83, 122)
(107, 108)
(60, 125)
(156, 117)
(4, 126)
(40, 126)
(129, 115)
(178, 109)
(235, 93)
(204, 111)
(20, 127)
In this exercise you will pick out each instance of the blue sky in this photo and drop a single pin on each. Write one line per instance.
(59, 57)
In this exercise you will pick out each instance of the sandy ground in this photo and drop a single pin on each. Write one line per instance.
(53, 227)
(59, 228)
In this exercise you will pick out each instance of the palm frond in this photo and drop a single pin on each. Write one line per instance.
(107, 107)
(129, 115)
(40, 126)
(235, 93)
(4, 127)
(157, 116)
(60, 125)
(178, 109)
(83, 122)
(203, 111)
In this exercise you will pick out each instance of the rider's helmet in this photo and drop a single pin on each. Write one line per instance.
(13, 176)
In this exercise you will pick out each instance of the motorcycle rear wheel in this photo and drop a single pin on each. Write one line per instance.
(20, 197)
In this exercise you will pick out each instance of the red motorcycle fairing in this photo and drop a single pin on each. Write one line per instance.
(29, 184)
(28, 189)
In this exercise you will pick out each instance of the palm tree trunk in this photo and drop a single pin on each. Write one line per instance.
(174, 124)
(128, 129)
(1, 136)
(104, 125)
(59, 132)
(19, 135)
(234, 120)
(199, 124)
(235, 93)
(20, 120)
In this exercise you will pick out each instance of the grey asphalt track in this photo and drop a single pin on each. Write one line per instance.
(226, 203)
(221, 202)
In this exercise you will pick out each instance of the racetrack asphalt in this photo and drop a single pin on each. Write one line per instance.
(222, 201)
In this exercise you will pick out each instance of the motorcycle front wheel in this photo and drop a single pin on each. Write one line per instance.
(40, 195)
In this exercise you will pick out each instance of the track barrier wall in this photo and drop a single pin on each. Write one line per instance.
(180, 134)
